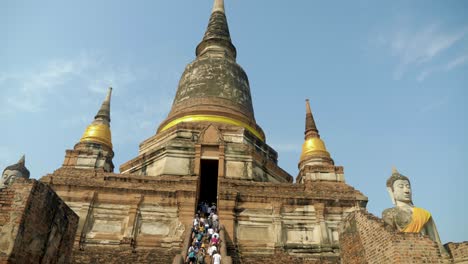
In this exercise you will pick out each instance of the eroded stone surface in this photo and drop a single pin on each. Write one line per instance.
(36, 226)
(365, 239)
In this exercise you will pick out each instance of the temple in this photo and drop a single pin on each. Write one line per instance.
(209, 149)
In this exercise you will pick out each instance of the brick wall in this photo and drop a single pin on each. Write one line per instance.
(36, 226)
(290, 259)
(459, 251)
(103, 254)
(7, 218)
(365, 239)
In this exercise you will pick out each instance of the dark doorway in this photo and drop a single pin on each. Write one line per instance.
(208, 181)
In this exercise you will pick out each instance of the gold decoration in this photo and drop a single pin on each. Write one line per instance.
(213, 118)
(314, 146)
(98, 133)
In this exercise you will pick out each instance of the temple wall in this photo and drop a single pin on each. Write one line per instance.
(178, 151)
(458, 251)
(123, 255)
(121, 214)
(270, 219)
(36, 226)
(287, 258)
(131, 213)
(117, 219)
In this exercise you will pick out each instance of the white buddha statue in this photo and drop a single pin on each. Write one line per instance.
(13, 172)
(406, 217)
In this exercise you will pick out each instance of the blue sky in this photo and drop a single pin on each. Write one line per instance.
(387, 82)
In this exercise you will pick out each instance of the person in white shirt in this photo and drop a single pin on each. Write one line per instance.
(211, 250)
(196, 220)
(216, 258)
(214, 217)
(210, 233)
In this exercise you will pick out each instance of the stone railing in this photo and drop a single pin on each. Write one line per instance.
(225, 259)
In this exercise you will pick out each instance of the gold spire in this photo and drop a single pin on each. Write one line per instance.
(313, 146)
(99, 130)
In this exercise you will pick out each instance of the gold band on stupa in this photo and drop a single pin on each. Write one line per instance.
(98, 133)
(214, 118)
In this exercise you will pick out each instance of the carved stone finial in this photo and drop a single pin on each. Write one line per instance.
(218, 6)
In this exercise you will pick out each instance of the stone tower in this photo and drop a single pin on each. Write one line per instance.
(94, 150)
(209, 148)
(316, 163)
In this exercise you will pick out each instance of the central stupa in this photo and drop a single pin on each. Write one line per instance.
(214, 88)
(211, 127)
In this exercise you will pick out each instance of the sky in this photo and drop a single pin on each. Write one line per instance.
(387, 82)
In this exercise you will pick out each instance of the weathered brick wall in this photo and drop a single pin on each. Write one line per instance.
(365, 239)
(36, 226)
(352, 243)
(103, 254)
(290, 259)
(459, 251)
(8, 217)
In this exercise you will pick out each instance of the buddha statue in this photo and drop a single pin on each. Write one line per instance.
(405, 217)
(13, 172)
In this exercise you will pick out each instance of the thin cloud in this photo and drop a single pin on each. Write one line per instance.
(30, 91)
(451, 65)
(26, 92)
(417, 48)
(434, 105)
(456, 62)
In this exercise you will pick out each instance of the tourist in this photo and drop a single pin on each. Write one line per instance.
(212, 249)
(215, 224)
(201, 255)
(192, 253)
(196, 220)
(216, 259)
(210, 232)
(215, 239)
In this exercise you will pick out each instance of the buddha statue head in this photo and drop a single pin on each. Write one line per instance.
(399, 188)
(13, 172)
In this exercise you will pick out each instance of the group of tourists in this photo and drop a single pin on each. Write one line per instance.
(205, 236)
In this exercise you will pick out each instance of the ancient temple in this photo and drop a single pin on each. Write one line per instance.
(209, 148)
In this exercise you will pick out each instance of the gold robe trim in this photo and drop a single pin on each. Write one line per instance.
(418, 220)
